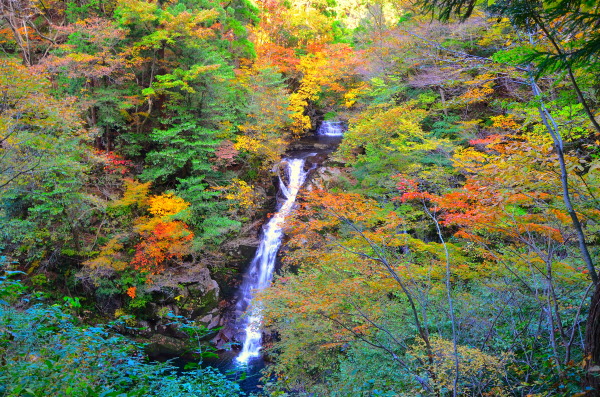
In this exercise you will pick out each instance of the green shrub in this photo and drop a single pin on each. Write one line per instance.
(46, 352)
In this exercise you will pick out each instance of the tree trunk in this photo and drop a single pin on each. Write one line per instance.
(592, 345)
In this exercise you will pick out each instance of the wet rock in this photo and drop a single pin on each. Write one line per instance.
(198, 305)
(211, 320)
(206, 319)
(301, 146)
(189, 292)
(316, 160)
(325, 177)
(242, 248)
(248, 250)
(225, 338)
(214, 323)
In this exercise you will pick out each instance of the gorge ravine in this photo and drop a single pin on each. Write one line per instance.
(260, 271)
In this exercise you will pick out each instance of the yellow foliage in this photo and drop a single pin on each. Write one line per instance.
(166, 205)
(262, 145)
(470, 126)
(110, 257)
(129, 320)
(389, 128)
(476, 367)
(326, 68)
(316, 74)
(505, 122)
(352, 95)
(161, 239)
(246, 143)
(495, 34)
(133, 9)
(120, 312)
(298, 104)
(481, 87)
(240, 194)
(469, 159)
(135, 193)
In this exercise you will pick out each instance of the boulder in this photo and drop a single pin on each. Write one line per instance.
(325, 177)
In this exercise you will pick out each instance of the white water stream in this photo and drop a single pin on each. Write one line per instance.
(261, 268)
(331, 128)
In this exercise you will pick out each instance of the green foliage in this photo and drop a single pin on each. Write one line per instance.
(383, 91)
(454, 146)
(387, 140)
(207, 212)
(41, 166)
(444, 127)
(76, 11)
(569, 48)
(182, 151)
(45, 351)
(514, 56)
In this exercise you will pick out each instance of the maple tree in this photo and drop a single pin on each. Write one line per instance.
(158, 237)
(97, 66)
(349, 266)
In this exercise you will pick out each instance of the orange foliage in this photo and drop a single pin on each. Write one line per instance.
(495, 199)
(285, 59)
(161, 239)
(325, 68)
(480, 88)
(337, 242)
(131, 292)
(163, 242)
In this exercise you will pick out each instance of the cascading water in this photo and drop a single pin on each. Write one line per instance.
(331, 128)
(262, 266)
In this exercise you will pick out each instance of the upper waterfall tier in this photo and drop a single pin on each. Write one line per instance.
(331, 128)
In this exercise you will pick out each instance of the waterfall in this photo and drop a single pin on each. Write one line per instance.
(260, 271)
(331, 128)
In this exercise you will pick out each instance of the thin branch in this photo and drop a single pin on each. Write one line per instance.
(450, 300)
